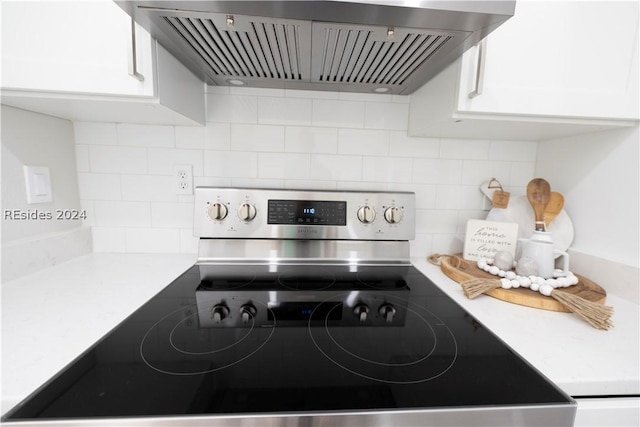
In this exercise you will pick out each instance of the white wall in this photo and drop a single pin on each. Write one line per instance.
(37, 140)
(598, 174)
(291, 139)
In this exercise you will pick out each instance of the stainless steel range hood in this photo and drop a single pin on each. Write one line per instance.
(352, 46)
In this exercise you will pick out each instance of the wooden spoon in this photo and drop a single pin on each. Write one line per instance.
(538, 194)
(555, 206)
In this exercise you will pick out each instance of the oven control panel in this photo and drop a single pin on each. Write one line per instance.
(303, 214)
(249, 309)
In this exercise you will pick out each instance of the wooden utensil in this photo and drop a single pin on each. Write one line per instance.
(538, 194)
(555, 206)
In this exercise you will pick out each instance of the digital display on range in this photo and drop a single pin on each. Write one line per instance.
(306, 212)
(299, 310)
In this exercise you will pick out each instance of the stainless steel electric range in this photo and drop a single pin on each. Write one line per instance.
(303, 309)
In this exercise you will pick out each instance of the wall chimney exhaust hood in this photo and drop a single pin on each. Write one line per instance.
(389, 47)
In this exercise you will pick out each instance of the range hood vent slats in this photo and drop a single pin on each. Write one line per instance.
(369, 55)
(251, 49)
(351, 46)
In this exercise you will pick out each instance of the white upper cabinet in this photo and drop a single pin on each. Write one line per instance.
(554, 69)
(76, 60)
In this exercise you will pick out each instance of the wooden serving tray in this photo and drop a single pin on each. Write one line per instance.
(461, 270)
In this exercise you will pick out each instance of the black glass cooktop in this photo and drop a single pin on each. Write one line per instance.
(274, 339)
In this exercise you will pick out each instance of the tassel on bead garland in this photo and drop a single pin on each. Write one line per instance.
(597, 315)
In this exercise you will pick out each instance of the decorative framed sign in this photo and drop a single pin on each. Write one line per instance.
(484, 238)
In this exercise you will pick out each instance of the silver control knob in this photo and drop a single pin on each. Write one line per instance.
(219, 312)
(393, 215)
(387, 311)
(366, 214)
(247, 312)
(247, 212)
(218, 211)
(361, 311)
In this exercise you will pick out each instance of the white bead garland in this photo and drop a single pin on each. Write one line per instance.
(509, 279)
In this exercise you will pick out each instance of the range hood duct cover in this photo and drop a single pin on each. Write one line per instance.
(308, 45)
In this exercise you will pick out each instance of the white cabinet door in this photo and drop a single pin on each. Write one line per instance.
(73, 47)
(571, 59)
(73, 59)
(555, 69)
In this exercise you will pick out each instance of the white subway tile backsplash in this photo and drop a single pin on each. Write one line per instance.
(172, 215)
(366, 97)
(107, 159)
(257, 182)
(109, 239)
(152, 240)
(232, 164)
(400, 99)
(122, 214)
(311, 94)
(425, 195)
(92, 133)
(188, 242)
(284, 111)
(387, 169)
(162, 160)
(345, 114)
(360, 141)
(258, 91)
(465, 215)
(220, 90)
(98, 186)
(207, 181)
(218, 136)
(279, 138)
(283, 165)
(475, 172)
(437, 171)
(464, 149)
(232, 108)
(153, 188)
(87, 207)
(521, 173)
(310, 184)
(400, 144)
(387, 115)
(132, 135)
(458, 197)
(513, 150)
(436, 221)
(336, 167)
(447, 243)
(192, 137)
(257, 137)
(305, 139)
(82, 158)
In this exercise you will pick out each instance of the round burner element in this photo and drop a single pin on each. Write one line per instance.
(178, 344)
(415, 347)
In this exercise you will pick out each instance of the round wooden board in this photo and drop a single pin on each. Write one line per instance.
(461, 270)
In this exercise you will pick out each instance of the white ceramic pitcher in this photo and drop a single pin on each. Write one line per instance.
(540, 248)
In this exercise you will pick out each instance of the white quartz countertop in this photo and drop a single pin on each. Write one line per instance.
(50, 317)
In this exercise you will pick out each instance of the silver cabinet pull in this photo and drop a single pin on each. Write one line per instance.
(133, 56)
(482, 59)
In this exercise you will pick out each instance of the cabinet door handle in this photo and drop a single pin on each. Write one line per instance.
(482, 59)
(133, 55)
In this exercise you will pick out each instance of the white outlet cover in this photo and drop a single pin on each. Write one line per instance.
(38, 183)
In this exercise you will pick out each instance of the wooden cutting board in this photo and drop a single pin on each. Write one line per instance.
(461, 270)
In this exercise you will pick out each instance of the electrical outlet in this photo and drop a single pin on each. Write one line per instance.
(183, 175)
